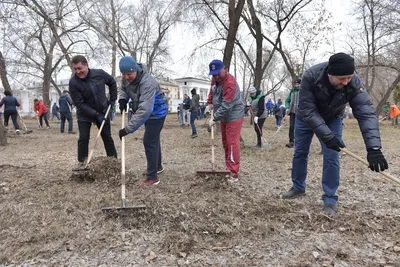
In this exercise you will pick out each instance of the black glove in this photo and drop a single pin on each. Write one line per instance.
(111, 102)
(122, 105)
(122, 133)
(376, 159)
(100, 117)
(335, 144)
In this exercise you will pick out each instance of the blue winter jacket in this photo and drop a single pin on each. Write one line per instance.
(10, 103)
(148, 100)
(65, 103)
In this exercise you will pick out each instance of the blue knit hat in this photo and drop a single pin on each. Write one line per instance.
(128, 64)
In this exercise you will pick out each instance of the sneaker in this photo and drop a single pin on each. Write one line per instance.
(17, 131)
(290, 145)
(159, 170)
(293, 193)
(150, 182)
(233, 180)
(71, 132)
(330, 209)
(194, 135)
(48, 127)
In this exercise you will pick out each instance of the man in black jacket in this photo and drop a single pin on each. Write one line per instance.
(326, 88)
(87, 90)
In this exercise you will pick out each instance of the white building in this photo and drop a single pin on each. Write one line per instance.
(186, 84)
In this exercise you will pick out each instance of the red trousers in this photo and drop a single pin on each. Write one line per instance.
(230, 132)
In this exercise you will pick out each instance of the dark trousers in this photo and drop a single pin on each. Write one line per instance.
(152, 146)
(258, 128)
(44, 116)
(13, 114)
(66, 116)
(193, 116)
(84, 135)
(291, 128)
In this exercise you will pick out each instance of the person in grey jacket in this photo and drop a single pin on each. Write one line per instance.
(148, 107)
(225, 101)
(326, 88)
(87, 90)
(194, 109)
(65, 103)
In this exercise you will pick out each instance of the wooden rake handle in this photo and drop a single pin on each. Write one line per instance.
(387, 175)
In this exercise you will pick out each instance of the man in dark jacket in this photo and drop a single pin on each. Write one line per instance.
(65, 103)
(326, 88)
(10, 109)
(148, 107)
(194, 109)
(87, 89)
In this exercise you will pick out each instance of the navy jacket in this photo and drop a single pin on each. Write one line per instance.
(10, 103)
(65, 103)
(89, 94)
(318, 105)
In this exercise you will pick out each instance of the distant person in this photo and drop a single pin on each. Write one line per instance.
(186, 107)
(280, 112)
(194, 109)
(224, 99)
(394, 113)
(10, 109)
(326, 88)
(258, 111)
(41, 112)
(54, 111)
(65, 103)
(291, 105)
(87, 90)
(149, 108)
(269, 106)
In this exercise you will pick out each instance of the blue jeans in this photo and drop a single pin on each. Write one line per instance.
(193, 116)
(331, 164)
(66, 116)
(278, 120)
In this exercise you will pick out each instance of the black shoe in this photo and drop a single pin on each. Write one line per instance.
(330, 209)
(293, 193)
(290, 144)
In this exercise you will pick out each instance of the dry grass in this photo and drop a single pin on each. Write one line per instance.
(51, 217)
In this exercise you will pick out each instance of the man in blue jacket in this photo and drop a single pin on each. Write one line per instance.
(87, 90)
(148, 107)
(326, 88)
(65, 103)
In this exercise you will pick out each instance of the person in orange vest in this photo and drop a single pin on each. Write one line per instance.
(394, 113)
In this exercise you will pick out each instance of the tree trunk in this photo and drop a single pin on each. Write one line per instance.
(3, 132)
(114, 43)
(47, 72)
(381, 103)
(234, 17)
(256, 25)
(3, 73)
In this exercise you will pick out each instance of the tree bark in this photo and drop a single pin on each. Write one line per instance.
(3, 133)
(3, 73)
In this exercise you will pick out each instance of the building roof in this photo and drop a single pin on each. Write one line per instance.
(192, 78)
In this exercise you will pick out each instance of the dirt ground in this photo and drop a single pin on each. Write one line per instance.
(50, 217)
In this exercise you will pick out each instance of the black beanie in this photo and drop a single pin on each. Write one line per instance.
(340, 64)
(193, 91)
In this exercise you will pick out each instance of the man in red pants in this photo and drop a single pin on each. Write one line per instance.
(225, 101)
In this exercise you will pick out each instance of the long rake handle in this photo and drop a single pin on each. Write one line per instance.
(259, 129)
(97, 137)
(387, 175)
(23, 123)
(123, 197)
(212, 145)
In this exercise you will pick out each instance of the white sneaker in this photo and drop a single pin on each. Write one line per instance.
(233, 180)
(17, 131)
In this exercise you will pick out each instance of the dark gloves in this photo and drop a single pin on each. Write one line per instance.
(111, 102)
(335, 144)
(100, 117)
(122, 105)
(122, 133)
(376, 159)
